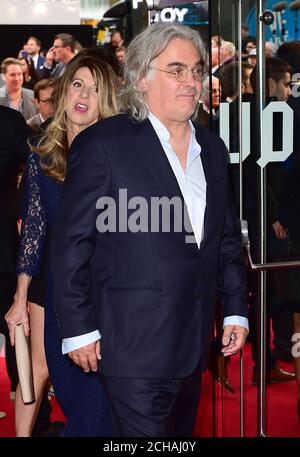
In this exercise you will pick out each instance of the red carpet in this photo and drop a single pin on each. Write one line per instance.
(282, 420)
(281, 406)
(7, 424)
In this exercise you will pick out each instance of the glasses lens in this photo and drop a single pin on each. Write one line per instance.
(198, 74)
(181, 74)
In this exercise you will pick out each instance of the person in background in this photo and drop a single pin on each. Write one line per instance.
(29, 74)
(13, 94)
(43, 96)
(34, 46)
(13, 152)
(59, 56)
(85, 94)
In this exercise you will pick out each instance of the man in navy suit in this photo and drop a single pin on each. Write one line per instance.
(34, 47)
(145, 238)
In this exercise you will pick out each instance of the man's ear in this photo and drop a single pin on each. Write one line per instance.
(271, 87)
(143, 84)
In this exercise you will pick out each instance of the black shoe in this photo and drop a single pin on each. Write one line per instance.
(54, 429)
(284, 356)
(275, 375)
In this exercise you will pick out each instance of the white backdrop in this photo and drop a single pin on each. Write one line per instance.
(43, 12)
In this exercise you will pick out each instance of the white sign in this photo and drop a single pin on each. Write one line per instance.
(267, 153)
(40, 12)
(170, 15)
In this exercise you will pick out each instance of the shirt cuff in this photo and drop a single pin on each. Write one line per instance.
(236, 320)
(76, 342)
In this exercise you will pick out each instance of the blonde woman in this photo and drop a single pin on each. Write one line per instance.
(86, 93)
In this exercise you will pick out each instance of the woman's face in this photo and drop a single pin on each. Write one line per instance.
(24, 66)
(82, 101)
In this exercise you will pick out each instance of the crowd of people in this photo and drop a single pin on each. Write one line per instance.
(122, 320)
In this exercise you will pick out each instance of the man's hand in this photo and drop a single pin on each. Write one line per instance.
(233, 340)
(280, 231)
(87, 357)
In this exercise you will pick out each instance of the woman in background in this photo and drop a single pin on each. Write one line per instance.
(29, 73)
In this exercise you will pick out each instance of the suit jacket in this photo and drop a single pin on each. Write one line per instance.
(151, 295)
(54, 72)
(13, 150)
(34, 122)
(40, 66)
(29, 107)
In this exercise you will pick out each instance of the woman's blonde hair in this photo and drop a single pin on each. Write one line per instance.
(53, 144)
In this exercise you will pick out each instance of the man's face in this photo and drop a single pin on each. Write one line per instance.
(281, 89)
(116, 40)
(44, 103)
(215, 92)
(32, 47)
(61, 52)
(215, 56)
(246, 85)
(172, 101)
(13, 77)
(120, 56)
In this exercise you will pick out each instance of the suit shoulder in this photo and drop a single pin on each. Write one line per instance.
(210, 137)
(8, 115)
(115, 125)
(28, 93)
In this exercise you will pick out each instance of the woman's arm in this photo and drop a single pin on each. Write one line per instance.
(31, 249)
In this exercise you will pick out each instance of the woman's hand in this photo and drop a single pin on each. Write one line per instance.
(17, 314)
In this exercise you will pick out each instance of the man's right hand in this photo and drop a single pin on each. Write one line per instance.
(87, 357)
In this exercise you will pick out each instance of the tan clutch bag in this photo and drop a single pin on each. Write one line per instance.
(23, 356)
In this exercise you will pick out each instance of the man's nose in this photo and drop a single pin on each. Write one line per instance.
(190, 80)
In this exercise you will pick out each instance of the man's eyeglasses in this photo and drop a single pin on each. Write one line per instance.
(47, 101)
(180, 73)
(57, 46)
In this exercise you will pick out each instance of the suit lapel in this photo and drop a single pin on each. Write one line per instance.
(4, 101)
(209, 176)
(158, 164)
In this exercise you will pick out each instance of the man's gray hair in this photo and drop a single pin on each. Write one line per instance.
(143, 49)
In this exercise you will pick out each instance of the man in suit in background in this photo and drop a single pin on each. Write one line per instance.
(58, 57)
(12, 94)
(34, 47)
(43, 96)
(144, 282)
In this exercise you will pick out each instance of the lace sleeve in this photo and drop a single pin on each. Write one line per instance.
(33, 233)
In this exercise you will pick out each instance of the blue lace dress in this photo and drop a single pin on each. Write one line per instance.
(80, 394)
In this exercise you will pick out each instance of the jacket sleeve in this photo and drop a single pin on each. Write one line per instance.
(33, 233)
(232, 269)
(74, 234)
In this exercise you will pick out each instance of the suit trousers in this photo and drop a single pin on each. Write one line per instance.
(153, 407)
